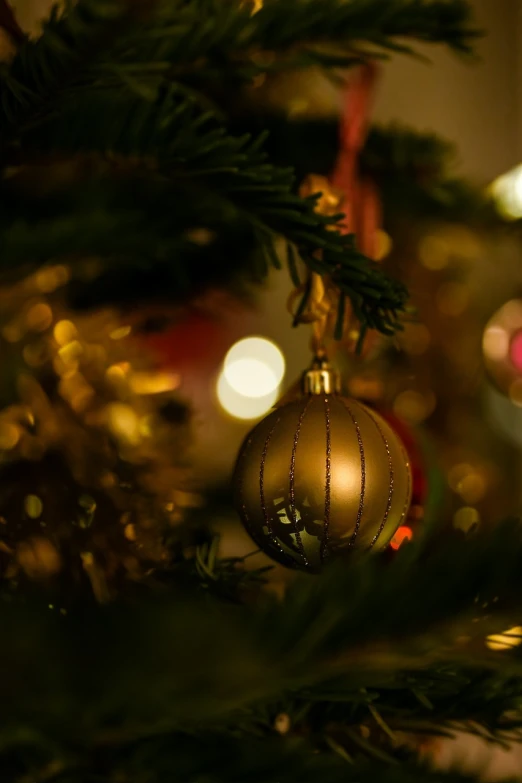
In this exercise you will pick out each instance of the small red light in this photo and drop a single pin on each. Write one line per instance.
(404, 533)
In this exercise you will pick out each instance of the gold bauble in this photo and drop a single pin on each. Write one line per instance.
(321, 475)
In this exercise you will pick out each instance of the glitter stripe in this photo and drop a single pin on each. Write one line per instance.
(392, 478)
(328, 480)
(363, 472)
(246, 519)
(298, 539)
(266, 516)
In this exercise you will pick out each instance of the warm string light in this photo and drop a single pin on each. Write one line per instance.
(506, 191)
(249, 382)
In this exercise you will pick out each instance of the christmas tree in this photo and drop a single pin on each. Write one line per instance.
(148, 176)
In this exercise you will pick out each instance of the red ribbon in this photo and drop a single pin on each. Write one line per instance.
(362, 204)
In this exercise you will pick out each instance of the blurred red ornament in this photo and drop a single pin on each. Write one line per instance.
(410, 443)
(197, 338)
(515, 350)
(192, 339)
(420, 487)
(502, 349)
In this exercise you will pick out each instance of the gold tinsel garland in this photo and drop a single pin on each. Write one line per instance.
(91, 443)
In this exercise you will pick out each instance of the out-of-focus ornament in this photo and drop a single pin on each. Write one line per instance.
(190, 340)
(502, 350)
(320, 476)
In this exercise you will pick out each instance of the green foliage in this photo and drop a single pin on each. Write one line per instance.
(143, 89)
(395, 647)
(116, 144)
(414, 173)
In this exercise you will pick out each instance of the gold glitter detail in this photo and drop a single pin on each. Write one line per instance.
(124, 423)
(120, 332)
(38, 558)
(50, 278)
(71, 351)
(266, 516)
(40, 317)
(130, 532)
(64, 332)
(12, 333)
(153, 382)
(293, 514)
(363, 473)
(328, 481)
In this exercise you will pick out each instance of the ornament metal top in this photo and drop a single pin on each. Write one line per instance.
(321, 475)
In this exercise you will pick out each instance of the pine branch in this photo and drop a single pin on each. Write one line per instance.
(69, 84)
(96, 40)
(45, 68)
(139, 669)
(172, 139)
(414, 172)
(280, 25)
(286, 34)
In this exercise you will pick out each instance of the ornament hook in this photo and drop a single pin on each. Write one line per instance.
(321, 378)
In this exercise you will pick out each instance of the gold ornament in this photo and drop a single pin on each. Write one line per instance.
(321, 475)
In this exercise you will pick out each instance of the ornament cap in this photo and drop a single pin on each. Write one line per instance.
(321, 378)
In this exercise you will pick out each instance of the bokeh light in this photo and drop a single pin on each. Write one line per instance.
(469, 482)
(434, 253)
(495, 343)
(33, 506)
(506, 640)
(384, 245)
(238, 405)
(254, 367)
(415, 339)
(248, 384)
(466, 519)
(507, 193)
(452, 299)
